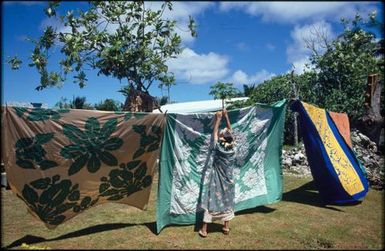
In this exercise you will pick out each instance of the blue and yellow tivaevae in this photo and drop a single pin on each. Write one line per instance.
(186, 155)
(338, 174)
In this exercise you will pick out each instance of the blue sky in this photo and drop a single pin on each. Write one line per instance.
(238, 42)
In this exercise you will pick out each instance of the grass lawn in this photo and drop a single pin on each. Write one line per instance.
(299, 221)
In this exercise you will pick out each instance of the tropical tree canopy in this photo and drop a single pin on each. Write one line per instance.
(108, 105)
(126, 40)
(343, 69)
(336, 77)
(75, 103)
(223, 90)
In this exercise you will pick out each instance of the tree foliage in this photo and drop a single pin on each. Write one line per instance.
(126, 40)
(248, 90)
(14, 62)
(337, 77)
(223, 90)
(167, 82)
(344, 67)
(75, 103)
(109, 105)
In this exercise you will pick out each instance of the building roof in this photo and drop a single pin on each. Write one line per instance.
(197, 106)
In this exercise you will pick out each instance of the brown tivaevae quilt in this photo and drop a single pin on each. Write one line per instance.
(62, 162)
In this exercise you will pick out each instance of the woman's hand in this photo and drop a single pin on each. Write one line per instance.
(218, 115)
(224, 112)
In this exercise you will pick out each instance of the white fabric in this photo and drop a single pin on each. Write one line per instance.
(210, 217)
(196, 106)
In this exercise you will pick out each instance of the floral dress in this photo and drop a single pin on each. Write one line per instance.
(218, 190)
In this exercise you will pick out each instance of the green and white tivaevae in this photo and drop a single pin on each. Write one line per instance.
(187, 165)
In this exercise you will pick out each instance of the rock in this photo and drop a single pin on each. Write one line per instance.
(369, 156)
(287, 162)
(295, 161)
(299, 156)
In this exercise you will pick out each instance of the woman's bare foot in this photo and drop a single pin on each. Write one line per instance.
(202, 233)
(203, 230)
(226, 228)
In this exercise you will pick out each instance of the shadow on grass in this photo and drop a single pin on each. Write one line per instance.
(211, 227)
(31, 239)
(308, 194)
(215, 227)
(259, 209)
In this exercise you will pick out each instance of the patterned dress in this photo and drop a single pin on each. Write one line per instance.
(218, 190)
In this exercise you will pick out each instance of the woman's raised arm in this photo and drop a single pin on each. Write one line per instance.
(218, 117)
(228, 125)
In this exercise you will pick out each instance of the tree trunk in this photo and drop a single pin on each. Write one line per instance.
(295, 114)
(372, 123)
(168, 94)
(139, 101)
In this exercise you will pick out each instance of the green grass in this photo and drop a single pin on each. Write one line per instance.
(299, 221)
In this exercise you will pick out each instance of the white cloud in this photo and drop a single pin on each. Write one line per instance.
(198, 68)
(297, 52)
(241, 78)
(180, 12)
(291, 12)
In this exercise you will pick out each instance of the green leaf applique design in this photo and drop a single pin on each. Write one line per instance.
(55, 198)
(20, 111)
(40, 114)
(148, 142)
(30, 153)
(91, 147)
(129, 115)
(126, 180)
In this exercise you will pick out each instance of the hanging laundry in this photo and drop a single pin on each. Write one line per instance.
(186, 157)
(338, 174)
(62, 162)
(342, 122)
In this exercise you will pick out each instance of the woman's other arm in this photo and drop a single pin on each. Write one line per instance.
(228, 125)
(218, 117)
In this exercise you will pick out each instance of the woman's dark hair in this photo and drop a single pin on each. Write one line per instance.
(228, 138)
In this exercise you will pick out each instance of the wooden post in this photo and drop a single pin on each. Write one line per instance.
(295, 114)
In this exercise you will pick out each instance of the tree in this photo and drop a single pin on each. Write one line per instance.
(126, 40)
(343, 69)
(62, 103)
(248, 90)
(78, 102)
(167, 82)
(75, 103)
(280, 87)
(223, 91)
(108, 105)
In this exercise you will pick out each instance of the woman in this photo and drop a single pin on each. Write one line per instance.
(218, 194)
